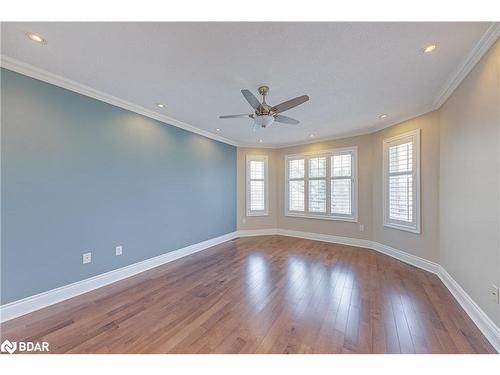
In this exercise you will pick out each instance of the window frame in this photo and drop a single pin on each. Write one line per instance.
(249, 211)
(328, 215)
(414, 136)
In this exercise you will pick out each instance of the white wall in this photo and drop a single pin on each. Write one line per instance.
(425, 244)
(470, 188)
(460, 186)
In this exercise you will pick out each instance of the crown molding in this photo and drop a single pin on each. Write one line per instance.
(479, 50)
(357, 133)
(54, 79)
(481, 47)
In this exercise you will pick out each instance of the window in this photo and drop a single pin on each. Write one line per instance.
(401, 170)
(317, 185)
(296, 199)
(322, 185)
(257, 187)
(341, 184)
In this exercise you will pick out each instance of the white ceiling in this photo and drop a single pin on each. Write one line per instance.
(352, 72)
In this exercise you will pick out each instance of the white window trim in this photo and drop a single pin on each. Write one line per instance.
(264, 212)
(415, 134)
(352, 218)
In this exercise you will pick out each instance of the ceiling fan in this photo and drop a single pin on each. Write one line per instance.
(265, 115)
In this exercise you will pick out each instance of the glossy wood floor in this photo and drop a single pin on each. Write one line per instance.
(269, 294)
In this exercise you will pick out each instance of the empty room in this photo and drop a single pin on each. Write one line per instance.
(250, 188)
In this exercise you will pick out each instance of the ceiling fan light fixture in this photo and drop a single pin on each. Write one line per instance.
(264, 120)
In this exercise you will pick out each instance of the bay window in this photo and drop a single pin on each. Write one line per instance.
(322, 185)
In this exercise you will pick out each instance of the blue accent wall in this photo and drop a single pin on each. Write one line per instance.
(81, 175)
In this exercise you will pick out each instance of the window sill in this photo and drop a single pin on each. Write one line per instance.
(403, 228)
(322, 217)
(250, 214)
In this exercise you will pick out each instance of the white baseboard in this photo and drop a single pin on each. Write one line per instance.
(325, 238)
(26, 305)
(357, 242)
(478, 316)
(403, 256)
(36, 302)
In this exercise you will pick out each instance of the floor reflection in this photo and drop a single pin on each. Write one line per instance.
(258, 282)
(313, 291)
(313, 288)
(296, 282)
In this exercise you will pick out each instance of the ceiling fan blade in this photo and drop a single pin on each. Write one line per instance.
(282, 107)
(286, 120)
(234, 116)
(254, 102)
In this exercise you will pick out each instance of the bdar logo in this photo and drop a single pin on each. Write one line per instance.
(8, 347)
(24, 346)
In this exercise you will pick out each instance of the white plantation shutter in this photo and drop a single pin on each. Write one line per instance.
(341, 184)
(297, 196)
(317, 195)
(401, 182)
(257, 195)
(257, 200)
(326, 181)
(317, 184)
(296, 175)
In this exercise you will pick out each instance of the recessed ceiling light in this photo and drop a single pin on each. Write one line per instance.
(160, 105)
(430, 48)
(383, 116)
(36, 38)
(217, 130)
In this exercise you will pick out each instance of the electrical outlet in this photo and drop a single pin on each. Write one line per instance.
(495, 293)
(361, 228)
(119, 250)
(244, 220)
(86, 258)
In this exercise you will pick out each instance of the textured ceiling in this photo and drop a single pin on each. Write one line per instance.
(353, 72)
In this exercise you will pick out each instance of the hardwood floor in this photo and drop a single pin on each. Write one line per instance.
(269, 294)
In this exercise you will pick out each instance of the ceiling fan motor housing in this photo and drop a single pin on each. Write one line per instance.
(264, 108)
(264, 120)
